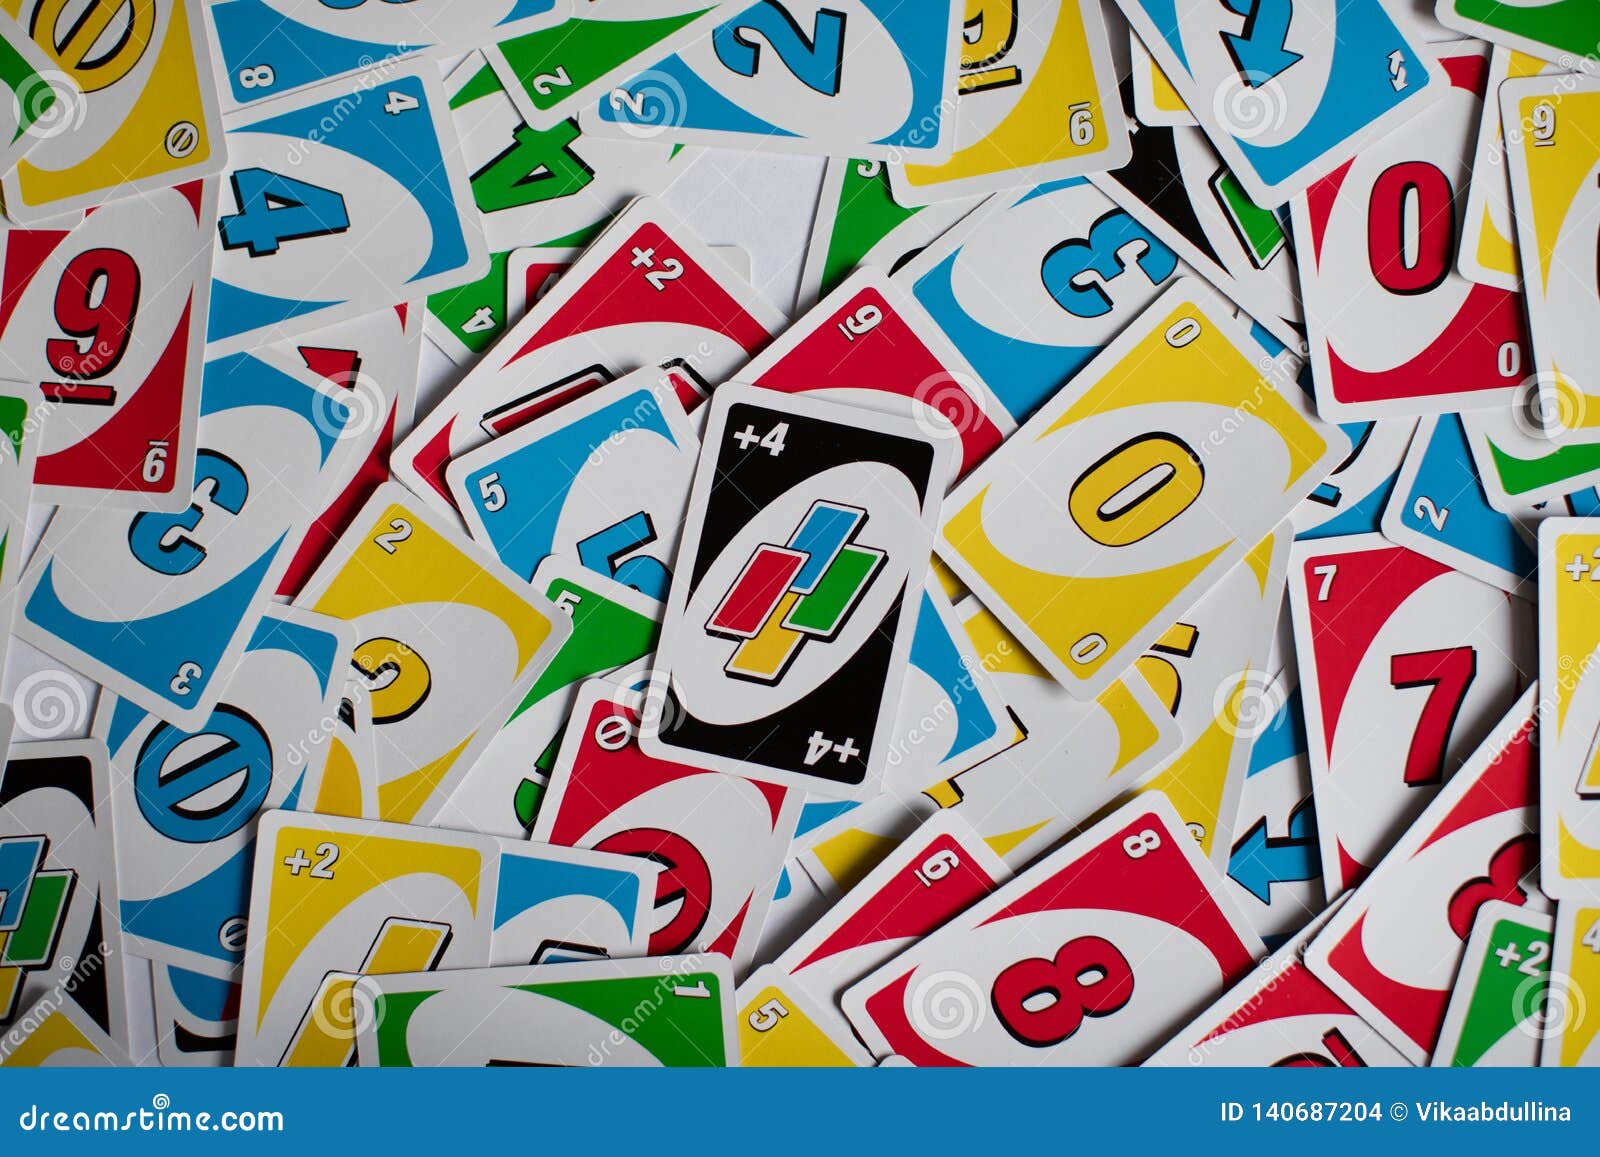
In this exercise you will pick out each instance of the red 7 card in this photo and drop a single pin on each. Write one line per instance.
(1405, 665)
(1127, 926)
(1394, 329)
(109, 319)
(1280, 1016)
(872, 345)
(1393, 950)
(721, 839)
(646, 292)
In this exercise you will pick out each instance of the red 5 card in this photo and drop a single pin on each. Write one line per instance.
(1394, 329)
(872, 345)
(1405, 665)
(934, 873)
(109, 319)
(1393, 950)
(646, 292)
(1280, 1016)
(721, 839)
(1127, 926)
(373, 360)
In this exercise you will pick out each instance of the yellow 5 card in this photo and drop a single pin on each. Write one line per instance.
(781, 1026)
(136, 104)
(447, 639)
(1037, 101)
(1569, 707)
(334, 898)
(1552, 126)
(1135, 488)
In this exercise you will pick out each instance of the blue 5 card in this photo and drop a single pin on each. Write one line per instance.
(184, 801)
(1287, 90)
(158, 606)
(604, 479)
(339, 201)
(272, 47)
(555, 905)
(1033, 284)
(1439, 509)
(872, 79)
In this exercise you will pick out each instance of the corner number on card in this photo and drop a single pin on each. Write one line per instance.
(772, 441)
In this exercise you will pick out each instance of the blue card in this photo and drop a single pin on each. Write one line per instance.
(1439, 509)
(197, 1017)
(1352, 498)
(873, 79)
(184, 802)
(338, 201)
(272, 47)
(556, 905)
(1287, 90)
(603, 479)
(157, 606)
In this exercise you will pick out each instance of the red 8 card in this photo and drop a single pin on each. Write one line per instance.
(1405, 665)
(1394, 329)
(1127, 927)
(720, 839)
(108, 318)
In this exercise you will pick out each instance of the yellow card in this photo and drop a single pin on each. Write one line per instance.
(136, 108)
(1552, 128)
(335, 898)
(1037, 101)
(780, 1026)
(448, 641)
(1574, 997)
(1488, 232)
(56, 1033)
(1136, 488)
(1155, 102)
(1569, 707)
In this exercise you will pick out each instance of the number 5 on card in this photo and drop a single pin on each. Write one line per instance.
(1135, 488)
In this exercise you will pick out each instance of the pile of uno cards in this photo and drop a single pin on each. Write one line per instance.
(1134, 600)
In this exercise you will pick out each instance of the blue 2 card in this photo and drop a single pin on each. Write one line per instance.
(872, 79)
(1439, 509)
(184, 801)
(1287, 90)
(603, 479)
(272, 47)
(157, 606)
(338, 201)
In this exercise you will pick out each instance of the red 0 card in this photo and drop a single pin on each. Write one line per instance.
(109, 319)
(645, 293)
(1405, 665)
(721, 839)
(1127, 926)
(869, 344)
(1394, 328)
(1393, 950)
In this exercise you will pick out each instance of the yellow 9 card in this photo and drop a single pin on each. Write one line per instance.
(1552, 126)
(1037, 101)
(447, 641)
(1134, 489)
(1569, 707)
(781, 1027)
(136, 105)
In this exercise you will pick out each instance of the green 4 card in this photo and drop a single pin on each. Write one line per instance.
(1564, 32)
(1497, 1010)
(664, 1011)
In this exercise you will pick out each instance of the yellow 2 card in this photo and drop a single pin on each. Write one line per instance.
(1569, 707)
(334, 898)
(1552, 126)
(447, 639)
(136, 104)
(1037, 101)
(1136, 488)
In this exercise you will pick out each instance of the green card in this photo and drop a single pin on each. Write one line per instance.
(1564, 32)
(1496, 1009)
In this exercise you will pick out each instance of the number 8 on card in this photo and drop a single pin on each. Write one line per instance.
(1135, 488)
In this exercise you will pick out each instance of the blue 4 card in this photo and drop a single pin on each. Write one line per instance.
(339, 201)
(1439, 509)
(184, 801)
(1034, 284)
(1287, 90)
(872, 79)
(556, 905)
(603, 479)
(272, 47)
(156, 606)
